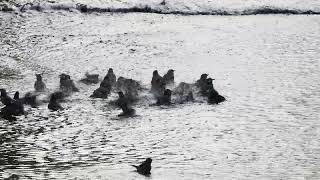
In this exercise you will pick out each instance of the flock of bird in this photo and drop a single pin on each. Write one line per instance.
(128, 91)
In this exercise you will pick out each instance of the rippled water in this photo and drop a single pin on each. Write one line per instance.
(266, 66)
(190, 7)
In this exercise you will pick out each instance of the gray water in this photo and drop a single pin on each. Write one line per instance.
(267, 67)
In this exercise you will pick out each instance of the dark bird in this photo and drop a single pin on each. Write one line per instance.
(189, 97)
(132, 95)
(130, 87)
(17, 98)
(101, 92)
(202, 81)
(66, 84)
(124, 103)
(205, 85)
(145, 167)
(16, 95)
(111, 76)
(157, 84)
(90, 79)
(163, 2)
(169, 77)
(165, 99)
(54, 104)
(107, 82)
(30, 99)
(12, 107)
(184, 91)
(82, 8)
(5, 99)
(214, 97)
(123, 84)
(120, 84)
(39, 85)
(104, 90)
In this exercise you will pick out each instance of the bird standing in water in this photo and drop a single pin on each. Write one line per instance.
(12, 107)
(54, 105)
(111, 76)
(39, 85)
(165, 99)
(157, 84)
(145, 167)
(169, 77)
(5, 99)
(124, 104)
(66, 84)
(90, 78)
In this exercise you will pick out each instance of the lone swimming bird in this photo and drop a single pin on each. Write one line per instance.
(145, 167)
(39, 85)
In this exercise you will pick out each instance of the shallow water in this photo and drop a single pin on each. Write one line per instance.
(266, 66)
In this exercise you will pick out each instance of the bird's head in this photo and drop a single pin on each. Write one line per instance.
(148, 160)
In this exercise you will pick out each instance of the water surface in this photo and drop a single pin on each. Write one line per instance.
(267, 67)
